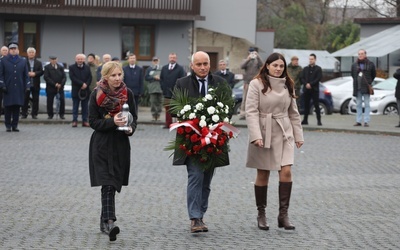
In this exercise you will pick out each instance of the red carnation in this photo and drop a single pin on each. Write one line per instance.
(230, 134)
(218, 152)
(204, 131)
(182, 146)
(196, 148)
(196, 120)
(180, 130)
(188, 129)
(188, 153)
(210, 150)
(221, 142)
(194, 138)
(187, 136)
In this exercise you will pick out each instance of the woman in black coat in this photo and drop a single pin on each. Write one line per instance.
(109, 150)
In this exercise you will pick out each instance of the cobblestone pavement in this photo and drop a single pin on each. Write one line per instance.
(345, 196)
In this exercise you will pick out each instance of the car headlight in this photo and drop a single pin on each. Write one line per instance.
(376, 98)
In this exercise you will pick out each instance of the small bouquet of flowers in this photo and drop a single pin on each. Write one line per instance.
(204, 126)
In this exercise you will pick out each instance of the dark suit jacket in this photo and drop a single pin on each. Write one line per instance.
(133, 78)
(168, 78)
(191, 84)
(312, 75)
(229, 77)
(38, 69)
(53, 76)
(79, 76)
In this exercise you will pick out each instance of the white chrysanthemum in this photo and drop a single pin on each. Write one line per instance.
(226, 119)
(215, 118)
(220, 104)
(183, 111)
(210, 89)
(192, 116)
(227, 107)
(202, 123)
(184, 117)
(199, 106)
(226, 111)
(211, 110)
(203, 117)
(204, 99)
(208, 97)
(187, 107)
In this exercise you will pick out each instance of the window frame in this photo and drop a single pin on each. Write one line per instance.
(136, 51)
(22, 50)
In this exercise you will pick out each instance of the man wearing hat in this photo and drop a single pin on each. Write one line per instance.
(81, 78)
(251, 66)
(35, 68)
(14, 82)
(152, 78)
(55, 78)
(294, 71)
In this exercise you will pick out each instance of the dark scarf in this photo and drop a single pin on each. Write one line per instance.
(111, 101)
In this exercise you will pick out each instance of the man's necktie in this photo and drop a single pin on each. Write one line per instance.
(202, 87)
(171, 67)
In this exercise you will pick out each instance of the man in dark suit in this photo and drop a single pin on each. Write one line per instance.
(199, 181)
(81, 77)
(225, 73)
(55, 78)
(14, 82)
(169, 74)
(310, 79)
(133, 78)
(35, 68)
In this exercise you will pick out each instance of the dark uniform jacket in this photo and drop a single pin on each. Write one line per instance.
(14, 77)
(133, 78)
(191, 84)
(228, 76)
(109, 148)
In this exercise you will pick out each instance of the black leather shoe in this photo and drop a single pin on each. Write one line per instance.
(62, 117)
(304, 123)
(24, 117)
(15, 129)
(319, 123)
(8, 129)
(34, 117)
(112, 230)
(357, 124)
(49, 117)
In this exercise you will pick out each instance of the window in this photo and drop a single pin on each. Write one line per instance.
(25, 33)
(139, 40)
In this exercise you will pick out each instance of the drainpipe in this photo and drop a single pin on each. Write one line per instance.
(83, 34)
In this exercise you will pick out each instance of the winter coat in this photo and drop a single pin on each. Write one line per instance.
(228, 76)
(14, 77)
(38, 69)
(79, 76)
(133, 78)
(191, 84)
(251, 67)
(274, 118)
(168, 78)
(368, 76)
(53, 76)
(397, 76)
(295, 73)
(109, 148)
(153, 85)
(311, 75)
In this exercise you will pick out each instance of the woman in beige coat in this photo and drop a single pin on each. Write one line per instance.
(274, 125)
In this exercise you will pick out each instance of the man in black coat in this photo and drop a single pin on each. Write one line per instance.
(168, 76)
(199, 181)
(310, 79)
(397, 93)
(81, 77)
(133, 78)
(225, 73)
(55, 78)
(35, 68)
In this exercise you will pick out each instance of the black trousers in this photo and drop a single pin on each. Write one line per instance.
(35, 101)
(11, 116)
(1, 102)
(108, 203)
(313, 95)
(50, 102)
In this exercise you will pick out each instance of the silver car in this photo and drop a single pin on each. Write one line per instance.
(342, 91)
(382, 102)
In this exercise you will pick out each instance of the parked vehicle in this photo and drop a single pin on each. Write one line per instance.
(383, 102)
(325, 99)
(342, 91)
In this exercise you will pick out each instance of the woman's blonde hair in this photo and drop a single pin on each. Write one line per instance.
(109, 67)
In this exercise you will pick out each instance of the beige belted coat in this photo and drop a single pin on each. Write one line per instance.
(274, 118)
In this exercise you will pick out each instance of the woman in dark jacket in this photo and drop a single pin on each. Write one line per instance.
(397, 93)
(109, 150)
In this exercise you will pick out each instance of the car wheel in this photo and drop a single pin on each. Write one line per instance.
(344, 110)
(391, 109)
(322, 107)
(236, 109)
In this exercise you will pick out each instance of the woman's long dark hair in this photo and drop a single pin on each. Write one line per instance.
(264, 73)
